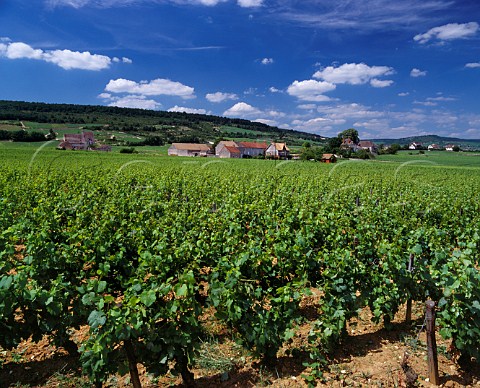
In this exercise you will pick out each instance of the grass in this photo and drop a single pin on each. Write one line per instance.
(435, 158)
(217, 358)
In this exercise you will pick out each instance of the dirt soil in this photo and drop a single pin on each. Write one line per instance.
(370, 356)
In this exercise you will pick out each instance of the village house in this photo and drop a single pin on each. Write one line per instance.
(222, 144)
(434, 147)
(449, 147)
(188, 149)
(241, 149)
(277, 151)
(368, 145)
(77, 141)
(252, 149)
(415, 146)
(229, 152)
(349, 144)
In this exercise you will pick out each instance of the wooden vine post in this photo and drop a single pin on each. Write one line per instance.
(408, 314)
(431, 343)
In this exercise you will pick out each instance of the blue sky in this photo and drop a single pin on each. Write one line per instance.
(387, 68)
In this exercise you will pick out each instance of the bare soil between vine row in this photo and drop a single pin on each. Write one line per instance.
(370, 356)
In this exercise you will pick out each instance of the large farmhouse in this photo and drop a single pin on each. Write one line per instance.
(77, 141)
(368, 145)
(188, 149)
(240, 149)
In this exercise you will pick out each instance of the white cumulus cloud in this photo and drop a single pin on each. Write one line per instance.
(352, 73)
(242, 110)
(250, 3)
(418, 73)
(377, 83)
(267, 61)
(310, 90)
(155, 87)
(66, 59)
(131, 101)
(473, 65)
(19, 50)
(177, 108)
(449, 31)
(220, 97)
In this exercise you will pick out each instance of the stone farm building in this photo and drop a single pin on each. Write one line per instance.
(77, 141)
(368, 145)
(239, 149)
(349, 144)
(277, 151)
(188, 149)
(229, 152)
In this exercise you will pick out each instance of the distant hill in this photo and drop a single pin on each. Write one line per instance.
(142, 126)
(431, 139)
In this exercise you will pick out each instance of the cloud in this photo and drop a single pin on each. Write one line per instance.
(66, 59)
(373, 124)
(403, 94)
(250, 3)
(449, 31)
(473, 65)
(307, 106)
(376, 83)
(425, 103)
(19, 50)
(317, 125)
(352, 73)
(274, 113)
(70, 3)
(417, 73)
(272, 123)
(351, 111)
(363, 15)
(441, 98)
(247, 111)
(124, 60)
(273, 89)
(220, 97)
(242, 110)
(69, 60)
(137, 102)
(115, 3)
(177, 108)
(155, 87)
(267, 61)
(310, 90)
(433, 101)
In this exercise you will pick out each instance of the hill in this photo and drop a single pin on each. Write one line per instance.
(139, 126)
(433, 139)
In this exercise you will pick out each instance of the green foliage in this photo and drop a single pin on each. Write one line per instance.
(139, 251)
(128, 150)
(351, 134)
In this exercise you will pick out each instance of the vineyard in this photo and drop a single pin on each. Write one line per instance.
(137, 249)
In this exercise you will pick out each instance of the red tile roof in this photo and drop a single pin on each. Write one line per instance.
(232, 150)
(251, 144)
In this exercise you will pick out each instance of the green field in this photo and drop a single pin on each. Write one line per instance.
(435, 158)
(139, 247)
